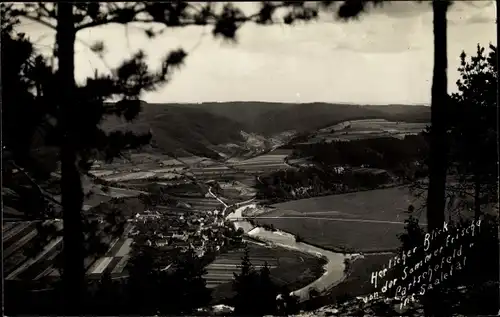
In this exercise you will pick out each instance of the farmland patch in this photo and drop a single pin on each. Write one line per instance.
(292, 268)
(389, 204)
(364, 221)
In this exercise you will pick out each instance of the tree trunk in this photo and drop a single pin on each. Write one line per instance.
(438, 153)
(71, 186)
(477, 193)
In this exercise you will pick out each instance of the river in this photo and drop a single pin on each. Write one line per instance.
(333, 270)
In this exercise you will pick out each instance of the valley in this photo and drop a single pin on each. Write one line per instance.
(193, 188)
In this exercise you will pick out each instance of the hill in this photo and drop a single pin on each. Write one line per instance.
(181, 130)
(271, 118)
(212, 129)
(201, 129)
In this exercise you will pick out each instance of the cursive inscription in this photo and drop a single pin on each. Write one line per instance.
(426, 266)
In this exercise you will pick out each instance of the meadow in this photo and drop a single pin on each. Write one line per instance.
(366, 129)
(367, 221)
(288, 268)
(262, 163)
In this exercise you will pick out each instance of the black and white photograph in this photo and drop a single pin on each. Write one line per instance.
(275, 158)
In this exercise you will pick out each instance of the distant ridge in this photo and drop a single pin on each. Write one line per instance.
(198, 128)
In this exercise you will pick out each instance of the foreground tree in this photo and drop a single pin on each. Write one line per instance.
(267, 291)
(438, 153)
(191, 290)
(436, 201)
(258, 295)
(473, 130)
(244, 284)
(78, 111)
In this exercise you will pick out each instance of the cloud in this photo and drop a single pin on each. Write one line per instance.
(385, 57)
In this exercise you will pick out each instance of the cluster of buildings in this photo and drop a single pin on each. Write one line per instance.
(199, 231)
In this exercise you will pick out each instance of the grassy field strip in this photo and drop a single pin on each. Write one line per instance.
(16, 230)
(259, 243)
(54, 273)
(115, 246)
(13, 262)
(111, 246)
(201, 203)
(45, 272)
(128, 176)
(112, 249)
(113, 263)
(10, 218)
(121, 265)
(102, 173)
(222, 265)
(237, 261)
(214, 284)
(335, 219)
(260, 164)
(101, 265)
(328, 213)
(224, 275)
(125, 248)
(7, 226)
(31, 261)
(20, 243)
(124, 190)
(40, 266)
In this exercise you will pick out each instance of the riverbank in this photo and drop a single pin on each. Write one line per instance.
(334, 268)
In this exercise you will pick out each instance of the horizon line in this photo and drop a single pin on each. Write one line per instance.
(285, 102)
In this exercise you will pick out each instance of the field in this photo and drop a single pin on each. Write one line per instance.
(366, 129)
(19, 237)
(237, 191)
(291, 268)
(362, 221)
(262, 164)
(150, 168)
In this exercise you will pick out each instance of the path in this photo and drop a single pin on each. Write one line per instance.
(332, 219)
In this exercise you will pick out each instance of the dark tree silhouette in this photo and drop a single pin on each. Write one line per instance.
(256, 293)
(438, 154)
(245, 286)
(78, 111)
(473, 128)
(439, 106)
(191, 291)
(267, 292)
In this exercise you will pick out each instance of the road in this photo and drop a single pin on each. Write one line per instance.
(332, 219)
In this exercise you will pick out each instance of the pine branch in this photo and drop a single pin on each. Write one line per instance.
(38, 20)
(34, 183)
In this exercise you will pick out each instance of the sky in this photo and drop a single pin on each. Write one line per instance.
(384, 57)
